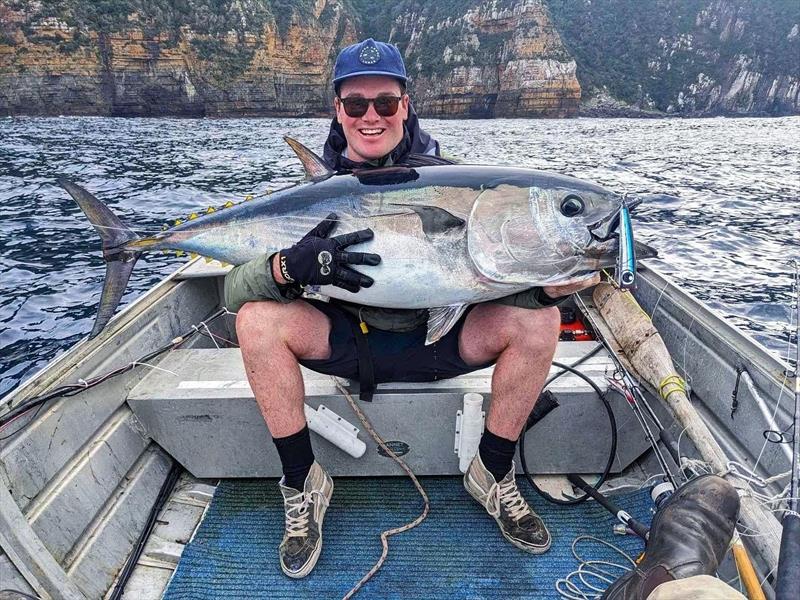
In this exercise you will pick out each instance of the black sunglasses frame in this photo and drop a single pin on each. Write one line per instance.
(363, 104)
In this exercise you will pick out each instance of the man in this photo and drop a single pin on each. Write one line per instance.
(375, 126)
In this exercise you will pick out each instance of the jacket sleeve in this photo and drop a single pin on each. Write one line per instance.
(532, 298)
(253, 281)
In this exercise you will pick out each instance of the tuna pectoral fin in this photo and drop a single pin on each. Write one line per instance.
(441, 320)
(119, 260)
(644, 251)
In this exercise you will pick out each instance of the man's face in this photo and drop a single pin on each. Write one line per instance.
(371, 136)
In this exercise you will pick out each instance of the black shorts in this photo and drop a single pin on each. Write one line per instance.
(395, 356)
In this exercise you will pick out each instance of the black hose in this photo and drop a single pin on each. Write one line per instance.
(136, 552)
(612, 453)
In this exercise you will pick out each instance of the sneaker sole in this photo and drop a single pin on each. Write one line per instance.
(309, 566)
(512, 541)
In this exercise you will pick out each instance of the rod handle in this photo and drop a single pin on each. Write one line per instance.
(789, 562)
(746, 571)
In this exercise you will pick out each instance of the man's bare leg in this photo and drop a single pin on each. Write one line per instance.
(273, 337)
(523, 341)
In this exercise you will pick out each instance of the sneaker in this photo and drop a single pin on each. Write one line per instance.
(302, 539)
(518, 523)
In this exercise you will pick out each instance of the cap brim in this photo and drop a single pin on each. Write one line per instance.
(360, 73)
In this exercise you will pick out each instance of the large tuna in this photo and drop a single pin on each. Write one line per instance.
(448, 236)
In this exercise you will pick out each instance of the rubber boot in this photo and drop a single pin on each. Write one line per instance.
(689, 536)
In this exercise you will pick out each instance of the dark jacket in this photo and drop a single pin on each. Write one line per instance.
(253, 281)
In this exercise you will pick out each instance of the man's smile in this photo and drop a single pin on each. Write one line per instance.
(371, 131)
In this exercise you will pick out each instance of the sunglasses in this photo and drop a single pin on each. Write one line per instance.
(385, 106)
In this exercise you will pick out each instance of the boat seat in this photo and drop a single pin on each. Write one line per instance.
(199, 407)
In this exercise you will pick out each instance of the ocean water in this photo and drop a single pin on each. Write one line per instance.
(725, 215)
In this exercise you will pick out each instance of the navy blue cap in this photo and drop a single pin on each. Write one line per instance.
(369, 58)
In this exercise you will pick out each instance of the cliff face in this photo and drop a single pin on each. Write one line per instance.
(688, 57)
(248, 57)
(466, 58)
(213, 59)
(483, 59)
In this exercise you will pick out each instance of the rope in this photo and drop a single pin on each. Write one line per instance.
(389, 532)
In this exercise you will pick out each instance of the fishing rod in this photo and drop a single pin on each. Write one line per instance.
(789, 558)
(635, 399)
(624, 517)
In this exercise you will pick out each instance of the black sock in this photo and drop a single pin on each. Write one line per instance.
(297, 457)
(497, 454)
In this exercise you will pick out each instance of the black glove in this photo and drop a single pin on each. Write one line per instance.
(318, 260)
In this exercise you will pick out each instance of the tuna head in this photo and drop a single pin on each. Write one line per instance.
(555, 231)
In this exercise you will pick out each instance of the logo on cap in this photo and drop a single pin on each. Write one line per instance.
(369, 55)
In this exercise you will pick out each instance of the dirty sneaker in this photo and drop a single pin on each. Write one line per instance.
(302, 539)
(518, 523)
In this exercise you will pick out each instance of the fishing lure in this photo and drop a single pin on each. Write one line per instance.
(626, 260)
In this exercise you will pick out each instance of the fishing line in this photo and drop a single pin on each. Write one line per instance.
(571, 590)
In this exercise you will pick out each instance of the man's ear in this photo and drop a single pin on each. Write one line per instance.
(337, 106)
(404, 103)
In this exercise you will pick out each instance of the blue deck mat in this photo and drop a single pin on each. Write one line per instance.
(457, 552)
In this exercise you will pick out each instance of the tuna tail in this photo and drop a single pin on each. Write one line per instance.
(119, 260)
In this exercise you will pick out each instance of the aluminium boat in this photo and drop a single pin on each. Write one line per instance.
(102, 490)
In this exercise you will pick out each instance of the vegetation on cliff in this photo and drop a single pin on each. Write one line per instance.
(656, 54)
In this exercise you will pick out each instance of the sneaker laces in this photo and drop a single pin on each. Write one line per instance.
(508, 494)
(297, 512)
(297, 515)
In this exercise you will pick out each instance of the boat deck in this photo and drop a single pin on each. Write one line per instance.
(457, 552)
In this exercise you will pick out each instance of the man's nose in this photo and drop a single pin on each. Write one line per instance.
(371, 115)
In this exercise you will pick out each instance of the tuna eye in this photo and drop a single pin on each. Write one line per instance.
(571, 206)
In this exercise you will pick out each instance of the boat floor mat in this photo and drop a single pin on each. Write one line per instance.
(457, 552)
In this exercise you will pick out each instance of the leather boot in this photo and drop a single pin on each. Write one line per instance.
(689, 536)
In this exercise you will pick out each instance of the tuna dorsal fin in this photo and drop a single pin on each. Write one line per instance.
(315, 167)
(441, 320)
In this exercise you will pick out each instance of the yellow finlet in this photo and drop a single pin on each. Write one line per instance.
(248, 197)
(210, 210)
(193, 255)
(180, 253)
(192, 216)
(208, 259)
(178, 221)
(228, 204)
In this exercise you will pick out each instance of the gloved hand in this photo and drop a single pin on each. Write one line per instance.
(319, 260)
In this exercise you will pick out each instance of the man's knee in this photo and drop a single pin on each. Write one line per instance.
(534, 329)
(257, 319)
(298, 326)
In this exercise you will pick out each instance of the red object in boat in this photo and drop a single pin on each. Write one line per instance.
(573, 329)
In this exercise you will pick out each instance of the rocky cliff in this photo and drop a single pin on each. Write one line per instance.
(475, 58)
(482, 59)
(687, 57)
(204, 57)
